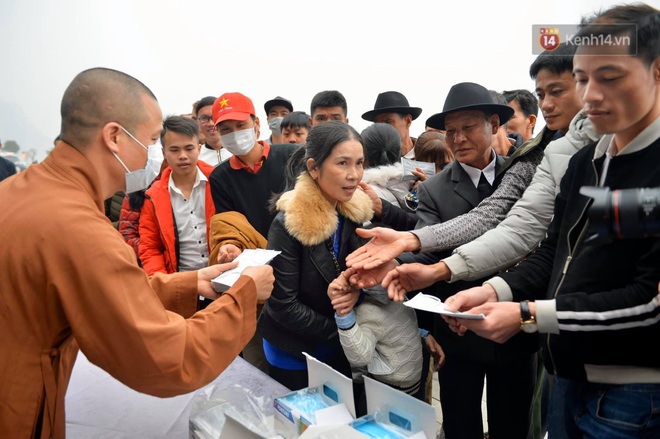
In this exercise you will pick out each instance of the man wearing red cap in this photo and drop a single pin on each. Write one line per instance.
(246, 182)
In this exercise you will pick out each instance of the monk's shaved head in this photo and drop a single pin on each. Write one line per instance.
(98, 96)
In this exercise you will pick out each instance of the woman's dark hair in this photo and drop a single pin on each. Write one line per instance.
(434, 151)
(322, 139)
(427, 136)
(382, 145)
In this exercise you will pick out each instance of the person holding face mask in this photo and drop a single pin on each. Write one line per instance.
(246, 181)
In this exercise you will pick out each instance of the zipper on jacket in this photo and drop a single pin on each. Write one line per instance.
(569, 258)
(568, 261)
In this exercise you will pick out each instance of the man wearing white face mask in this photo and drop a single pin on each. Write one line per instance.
(276, 109)
(142, 178)
(246, 182)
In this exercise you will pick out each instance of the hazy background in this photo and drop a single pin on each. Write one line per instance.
(185, 50)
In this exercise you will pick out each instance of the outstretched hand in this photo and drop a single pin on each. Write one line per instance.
(361, 278)
(411, 277)
(227, 253)
(385, 245)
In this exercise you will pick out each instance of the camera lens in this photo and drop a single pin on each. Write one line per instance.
(624, 213)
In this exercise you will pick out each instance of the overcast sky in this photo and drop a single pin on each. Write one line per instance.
(187, 49)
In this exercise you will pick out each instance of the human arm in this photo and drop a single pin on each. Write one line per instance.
(520, 232)
(359, 340)
(387, 210)
(447, 235)
(397, 218)
(434, 348)
(229, 234)
(118, 318)
(411, 277)
(151, 247)
(385, 244)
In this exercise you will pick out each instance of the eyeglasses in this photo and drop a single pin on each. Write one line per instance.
(205, 119)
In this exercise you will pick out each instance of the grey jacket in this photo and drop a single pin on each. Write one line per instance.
(527, 221)
(516, 174)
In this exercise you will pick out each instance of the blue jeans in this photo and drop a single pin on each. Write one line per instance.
(586, 410)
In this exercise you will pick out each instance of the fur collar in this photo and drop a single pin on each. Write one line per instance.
(382, 175)
(309, 216)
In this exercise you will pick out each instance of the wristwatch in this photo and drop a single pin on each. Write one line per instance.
(527, 320)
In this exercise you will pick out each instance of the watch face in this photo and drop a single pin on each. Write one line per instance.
(529, 327)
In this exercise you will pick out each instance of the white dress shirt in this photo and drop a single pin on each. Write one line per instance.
(488, 171)
(190, 217)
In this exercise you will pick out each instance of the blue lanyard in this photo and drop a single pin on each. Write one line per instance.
(336, 236)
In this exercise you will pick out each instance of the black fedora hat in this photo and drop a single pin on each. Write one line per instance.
(391, 102)
(279, 100)
(467, 96)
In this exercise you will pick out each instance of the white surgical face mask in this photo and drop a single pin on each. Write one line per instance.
(142, 178)
(239, 142)
(275, 125)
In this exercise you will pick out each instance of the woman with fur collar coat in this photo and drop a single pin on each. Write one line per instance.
(315, 230)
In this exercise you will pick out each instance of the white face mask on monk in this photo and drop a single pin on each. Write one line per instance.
(142, 178)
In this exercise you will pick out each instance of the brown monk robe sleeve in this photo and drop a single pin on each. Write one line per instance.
(117, 316)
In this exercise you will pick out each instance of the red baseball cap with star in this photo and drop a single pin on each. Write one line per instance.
(232, 106)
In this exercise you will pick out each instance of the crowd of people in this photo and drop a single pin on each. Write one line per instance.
(497, 225)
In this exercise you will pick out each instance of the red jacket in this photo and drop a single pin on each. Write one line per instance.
(129, 221)
(158, 238)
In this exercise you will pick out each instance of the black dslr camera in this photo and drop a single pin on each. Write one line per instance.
(624, 213)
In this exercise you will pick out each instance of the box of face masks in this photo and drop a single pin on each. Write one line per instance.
(327, 401)
(393, 414)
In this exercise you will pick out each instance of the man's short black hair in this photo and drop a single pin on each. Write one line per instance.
(528, 103)
(295, 120)
(329, 98)
(557, 61)
(204, 102)
(181, 125)
(644, 35)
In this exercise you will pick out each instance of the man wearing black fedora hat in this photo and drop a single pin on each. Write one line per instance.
(392, 107)
(471, 118)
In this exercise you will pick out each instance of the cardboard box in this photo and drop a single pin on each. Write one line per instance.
(386, 406)
(327, 401)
